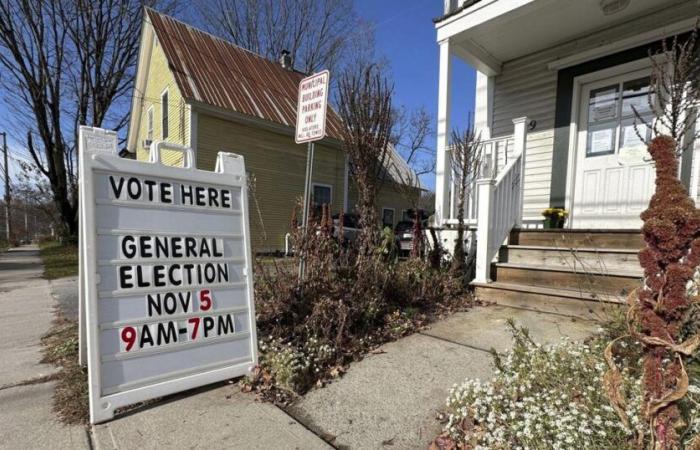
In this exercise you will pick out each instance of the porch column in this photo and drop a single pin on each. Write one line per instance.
(442, 168)
(483, 104)
(520, 147)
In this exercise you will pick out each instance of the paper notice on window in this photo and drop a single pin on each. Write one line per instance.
(631, 134)
(601, 141)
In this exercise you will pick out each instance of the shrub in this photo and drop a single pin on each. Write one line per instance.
(553, 397)
(342, 308)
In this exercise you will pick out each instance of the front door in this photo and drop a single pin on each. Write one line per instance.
(614, 178)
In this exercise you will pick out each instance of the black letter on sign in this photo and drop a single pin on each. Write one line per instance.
(225, 324)
(146, 337)
(129, 246)
(167, 336)
(125, 275)
(208, 325)
(117, 189)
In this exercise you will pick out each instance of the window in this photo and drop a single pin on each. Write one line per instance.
(164, 106)
(405, 216)
(388, 217)
(612, 118)
(149, 123)
(322, 195)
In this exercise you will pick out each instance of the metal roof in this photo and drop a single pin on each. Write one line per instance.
(213, 71)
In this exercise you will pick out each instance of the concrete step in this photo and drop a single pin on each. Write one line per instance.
(609, 283)
(627, 239)
(550, 300)
(581, 259)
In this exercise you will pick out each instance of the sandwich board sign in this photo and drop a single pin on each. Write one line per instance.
(312, 107)
(167, 278)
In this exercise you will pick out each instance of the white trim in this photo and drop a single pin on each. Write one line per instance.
(624, 44)
(346, 179)
(162, 112)
(144, 61)
(194, 118)
(150, 117)
(578, 85)
(480, 13)
(393, 216)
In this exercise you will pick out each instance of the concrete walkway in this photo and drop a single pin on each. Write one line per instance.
(26, 419)
(391, 399)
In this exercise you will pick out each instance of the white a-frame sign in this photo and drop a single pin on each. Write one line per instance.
(165, 271)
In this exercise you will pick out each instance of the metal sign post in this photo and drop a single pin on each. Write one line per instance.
(311, 126)
(166, 273)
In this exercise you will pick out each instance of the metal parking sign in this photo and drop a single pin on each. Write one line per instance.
(167, 275)
(312, 107)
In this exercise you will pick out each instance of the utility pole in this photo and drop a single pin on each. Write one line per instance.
(8, 231)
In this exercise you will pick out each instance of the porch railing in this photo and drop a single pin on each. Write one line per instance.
(499, 195)
(496, 153)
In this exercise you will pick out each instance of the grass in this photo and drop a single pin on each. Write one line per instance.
(60, 348)
(60, 260)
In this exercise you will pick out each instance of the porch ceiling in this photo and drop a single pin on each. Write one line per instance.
(494, 31)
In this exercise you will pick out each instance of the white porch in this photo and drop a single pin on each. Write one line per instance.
(519, 49)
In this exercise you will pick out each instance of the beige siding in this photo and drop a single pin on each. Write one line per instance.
(390, 196)
(159, 79)
(526, 87)
(278, 166)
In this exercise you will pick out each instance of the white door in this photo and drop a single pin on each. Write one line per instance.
(614, 177)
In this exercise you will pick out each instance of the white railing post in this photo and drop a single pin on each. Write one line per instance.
(519, 148)
(484, 191)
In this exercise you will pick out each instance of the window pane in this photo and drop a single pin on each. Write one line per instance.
(635, 94)
(601, 138)
(388, 217)
(164, 105)
(322, 195)
(602, 104)
(632, 129)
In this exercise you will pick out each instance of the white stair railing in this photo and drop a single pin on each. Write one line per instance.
(500, 200)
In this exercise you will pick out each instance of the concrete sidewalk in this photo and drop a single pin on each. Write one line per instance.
(391, 399)
(26, 419)
(216, 417)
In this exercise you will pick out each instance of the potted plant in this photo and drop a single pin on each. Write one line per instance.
(554, 217)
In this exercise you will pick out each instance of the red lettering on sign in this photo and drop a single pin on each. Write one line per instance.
(204, 300)
(129, 337)
(195, 326)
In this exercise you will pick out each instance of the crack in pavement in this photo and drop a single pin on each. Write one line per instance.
(29, 381)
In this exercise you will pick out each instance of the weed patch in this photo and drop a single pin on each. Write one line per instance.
(60, 348)
(60, 260)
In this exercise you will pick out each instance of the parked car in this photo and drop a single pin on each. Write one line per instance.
(404, 236)
(351, 227)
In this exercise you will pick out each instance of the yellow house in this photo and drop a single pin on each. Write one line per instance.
(200, 91)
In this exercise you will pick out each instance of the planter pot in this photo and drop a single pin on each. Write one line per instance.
(553, 223)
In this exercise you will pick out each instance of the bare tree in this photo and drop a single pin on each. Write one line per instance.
(465, 155)
(410, 140)
(316, 33)
(364, 105)
(66, 64)
(674, 91)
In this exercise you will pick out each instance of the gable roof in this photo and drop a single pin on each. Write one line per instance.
(216, 72)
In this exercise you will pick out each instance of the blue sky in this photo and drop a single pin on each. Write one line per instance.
(405, 36)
